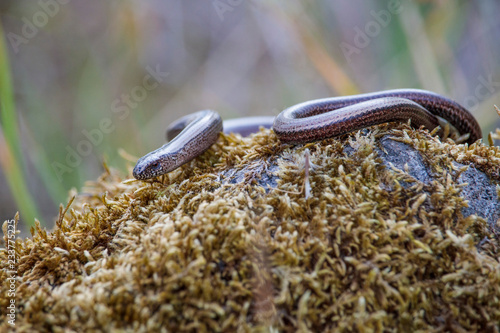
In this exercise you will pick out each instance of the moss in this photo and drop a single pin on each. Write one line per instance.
(200, 249)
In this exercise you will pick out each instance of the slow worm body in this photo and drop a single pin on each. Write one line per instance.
(309, 121)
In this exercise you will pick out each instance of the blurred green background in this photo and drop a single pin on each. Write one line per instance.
(79, 80)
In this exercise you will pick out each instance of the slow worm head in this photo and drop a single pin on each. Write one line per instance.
(198, 132)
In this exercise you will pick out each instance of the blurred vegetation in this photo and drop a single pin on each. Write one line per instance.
(82, 87)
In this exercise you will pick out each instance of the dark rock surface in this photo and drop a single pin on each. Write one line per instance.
(480, 190)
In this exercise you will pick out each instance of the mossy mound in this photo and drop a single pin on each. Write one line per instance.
(371, 249)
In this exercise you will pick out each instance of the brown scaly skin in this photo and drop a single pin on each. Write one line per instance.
(311, 121)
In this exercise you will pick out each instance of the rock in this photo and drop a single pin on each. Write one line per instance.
(479, 190)
(390, 238)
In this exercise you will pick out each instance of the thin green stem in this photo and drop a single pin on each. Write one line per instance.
(11, 158)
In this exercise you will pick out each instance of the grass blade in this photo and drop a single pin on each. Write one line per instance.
(11, 157)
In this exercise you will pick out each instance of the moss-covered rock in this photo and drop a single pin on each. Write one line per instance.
(385, 241)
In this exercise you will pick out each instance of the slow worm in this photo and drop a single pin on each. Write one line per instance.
(309, 121)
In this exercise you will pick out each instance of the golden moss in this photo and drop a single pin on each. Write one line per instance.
(213, 247)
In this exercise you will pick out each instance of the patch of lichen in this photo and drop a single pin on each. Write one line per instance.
(191, 251)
